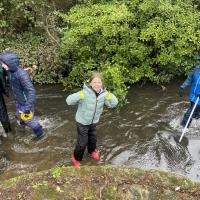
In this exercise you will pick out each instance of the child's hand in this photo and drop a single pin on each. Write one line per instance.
(108, 95)
(29, 70)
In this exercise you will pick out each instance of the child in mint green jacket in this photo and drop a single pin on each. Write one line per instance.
(90, 100)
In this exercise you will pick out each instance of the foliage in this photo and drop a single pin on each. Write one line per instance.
(57, 172)
(30, 28)
(115, 81)
(18, 16)
(92, 41)
(36, 51)
(129, 41)
(172, 33)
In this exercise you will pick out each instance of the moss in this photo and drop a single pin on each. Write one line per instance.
(11, 181)
(47, 193)
(107, 182)
(36, 185)
(57, 172)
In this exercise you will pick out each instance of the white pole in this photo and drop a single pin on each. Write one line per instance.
(189, 119)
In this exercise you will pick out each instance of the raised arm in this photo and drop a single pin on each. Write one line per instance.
(73, 99)
(111, 100)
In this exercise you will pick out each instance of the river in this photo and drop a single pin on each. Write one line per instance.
(144, 133)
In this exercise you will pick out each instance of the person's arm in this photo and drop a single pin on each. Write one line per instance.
(185, 84)
(28, 88)
(188, 81)
(111, 100)
(73, 99)
(7, 85)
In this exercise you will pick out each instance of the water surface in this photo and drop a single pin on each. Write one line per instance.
(144, 133)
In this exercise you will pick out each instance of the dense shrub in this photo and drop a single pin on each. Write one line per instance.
(129, 41)
(30, 28)
(38, 51)
(18, 16)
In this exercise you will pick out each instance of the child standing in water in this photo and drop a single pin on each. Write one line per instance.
(23, 91)
(90, 100)
(4, 91)
(192, 80)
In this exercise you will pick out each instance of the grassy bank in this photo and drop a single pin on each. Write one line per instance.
(67, 183)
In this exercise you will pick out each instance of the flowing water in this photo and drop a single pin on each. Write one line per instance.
(144, 133)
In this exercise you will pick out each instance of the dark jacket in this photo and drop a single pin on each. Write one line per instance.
(4, 83)
(4, 86)
(20, 81)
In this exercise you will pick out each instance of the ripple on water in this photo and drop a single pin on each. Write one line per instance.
(49, 122)
(4, 162)
(52, 122)
(21, 149)
(174, 115)
(145, 134)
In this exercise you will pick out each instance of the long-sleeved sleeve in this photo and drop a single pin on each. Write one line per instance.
(111, 100)
(28, 89)
(73, 99)
(188, 81)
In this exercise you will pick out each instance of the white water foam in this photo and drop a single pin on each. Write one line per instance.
(49, 122)
(174, 115)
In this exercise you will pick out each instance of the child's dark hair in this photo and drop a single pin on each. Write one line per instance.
(96, 75)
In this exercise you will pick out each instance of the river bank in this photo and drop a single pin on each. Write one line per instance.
(106, 182)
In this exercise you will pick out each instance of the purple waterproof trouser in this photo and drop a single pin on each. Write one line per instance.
(32, 123)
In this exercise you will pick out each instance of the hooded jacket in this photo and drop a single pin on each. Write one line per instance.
(90, 106)
(20, 81)
(194, 80)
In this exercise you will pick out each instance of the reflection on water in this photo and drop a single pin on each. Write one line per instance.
(144, 133)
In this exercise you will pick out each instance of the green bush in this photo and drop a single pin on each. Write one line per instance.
(129, 41)
(30, 29)
(38, 51)
(91, 43)
(18, 16)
